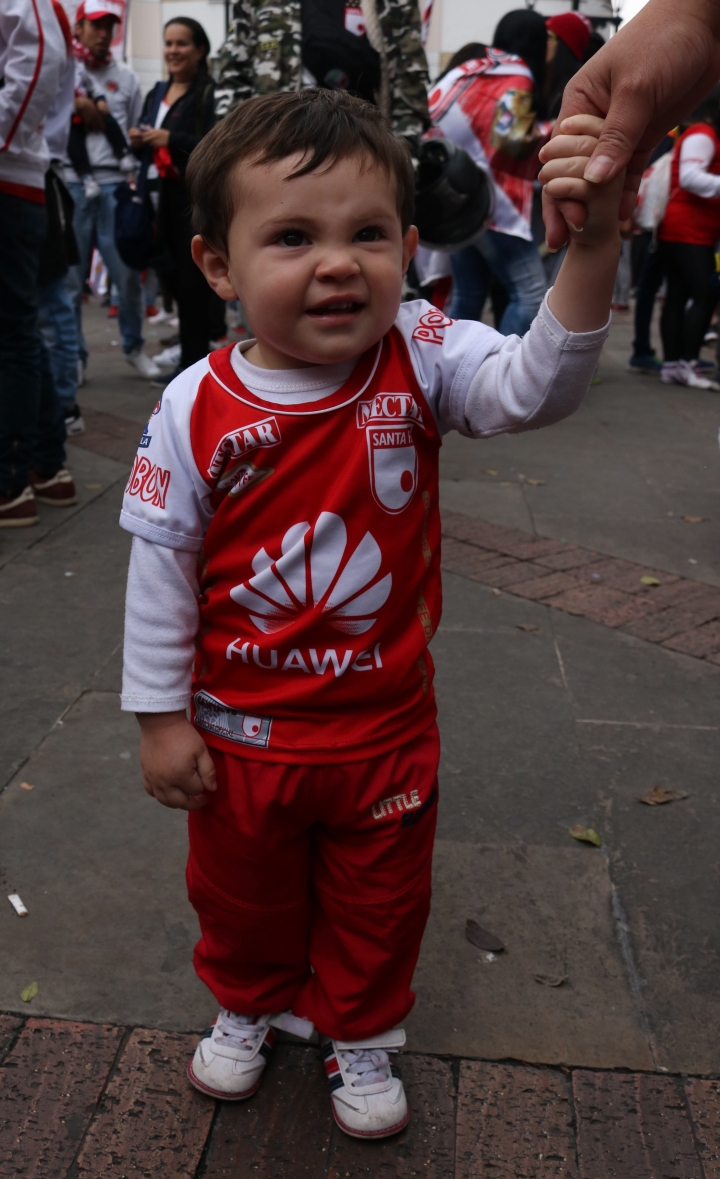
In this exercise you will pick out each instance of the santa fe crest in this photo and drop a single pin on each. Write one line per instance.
(389, 420)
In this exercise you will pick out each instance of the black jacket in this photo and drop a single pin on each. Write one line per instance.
(188, 120)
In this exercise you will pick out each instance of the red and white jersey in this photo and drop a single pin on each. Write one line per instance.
(486, 107)
(319, 569)
(315, 519)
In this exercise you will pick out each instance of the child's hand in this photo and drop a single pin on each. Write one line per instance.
(590, 210)
(176, 766)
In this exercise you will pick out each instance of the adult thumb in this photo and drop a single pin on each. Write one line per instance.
(625, 123)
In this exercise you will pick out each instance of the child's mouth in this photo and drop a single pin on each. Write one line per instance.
(337, 308)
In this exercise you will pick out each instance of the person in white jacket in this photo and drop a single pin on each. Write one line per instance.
(33, 57)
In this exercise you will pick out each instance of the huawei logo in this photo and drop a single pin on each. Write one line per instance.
(316, 574)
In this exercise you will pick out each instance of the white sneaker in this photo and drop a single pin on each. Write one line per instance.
(144, 365)
(688, 373)
(668, 372)
(368, 1099)
(170, 357)
(230, 1059)
(162, 316)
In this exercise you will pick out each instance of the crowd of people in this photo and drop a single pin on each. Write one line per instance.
(498, 102)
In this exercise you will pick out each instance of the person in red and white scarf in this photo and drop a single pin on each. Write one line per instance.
(489, 107)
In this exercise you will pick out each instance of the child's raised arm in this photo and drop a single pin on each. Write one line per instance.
(581, 297)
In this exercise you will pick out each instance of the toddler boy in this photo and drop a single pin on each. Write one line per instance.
(285, 573)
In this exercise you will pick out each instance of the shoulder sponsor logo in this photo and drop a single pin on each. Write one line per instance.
(149, 481)
(240, 442)
(431, 327)
(158, 406)
(146, 438)
(388, 420)
(315, 575)
(213, 716)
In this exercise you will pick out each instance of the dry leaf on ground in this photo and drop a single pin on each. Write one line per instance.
(533, 630)
(536, 482)
(487, 471)
(586, 834)
(28, 993)
(647, 580)
(694, 519)
(657, 795)
(26, 786)
(549, 980)
(480, 937)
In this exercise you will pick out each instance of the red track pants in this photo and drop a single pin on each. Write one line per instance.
(312, 886)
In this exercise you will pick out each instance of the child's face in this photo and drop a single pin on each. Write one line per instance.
(316, 261)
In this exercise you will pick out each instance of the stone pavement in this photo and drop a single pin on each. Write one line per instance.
(89, 1101)
(555, 710)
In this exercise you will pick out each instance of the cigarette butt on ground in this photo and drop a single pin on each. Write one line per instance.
(17, 905)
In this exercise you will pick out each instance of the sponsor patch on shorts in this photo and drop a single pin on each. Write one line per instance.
(215, 717)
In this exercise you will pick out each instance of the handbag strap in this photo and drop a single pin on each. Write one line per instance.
(158, 94)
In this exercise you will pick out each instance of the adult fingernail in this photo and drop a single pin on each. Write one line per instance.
(577, 228)
(598, 169)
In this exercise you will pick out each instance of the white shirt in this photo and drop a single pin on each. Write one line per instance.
(120, 88)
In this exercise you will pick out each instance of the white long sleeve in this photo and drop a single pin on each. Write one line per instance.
(696, 155)
(161, 622)
(32, 61)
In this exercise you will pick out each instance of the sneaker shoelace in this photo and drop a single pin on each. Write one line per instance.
(241, 1031)
(369, 1065)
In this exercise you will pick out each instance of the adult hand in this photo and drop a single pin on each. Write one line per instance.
(90, 115)
(647, 77)
(158, 138)
(135, 135)
(177, 769)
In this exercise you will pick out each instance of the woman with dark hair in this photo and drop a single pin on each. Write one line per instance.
(686, 246)
(176, 116)
(489, 106)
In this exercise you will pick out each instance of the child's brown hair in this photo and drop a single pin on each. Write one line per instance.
(322, 125)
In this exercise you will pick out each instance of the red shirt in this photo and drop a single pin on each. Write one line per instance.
(689, 218)
(320, 569)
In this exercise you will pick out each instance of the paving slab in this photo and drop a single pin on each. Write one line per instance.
(50, 1085)
(514, 1121)
(703, 1098)
(552, 909)
(150, 1122)
(633, 1127)
(100, 867)
(284, 1132)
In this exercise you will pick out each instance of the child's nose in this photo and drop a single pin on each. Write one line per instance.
(337, 262)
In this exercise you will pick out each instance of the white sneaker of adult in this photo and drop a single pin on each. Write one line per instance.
(668, 372)
(169, 357)
(690, 373)
(368, 1098)
(230, 1059)
(144, 365)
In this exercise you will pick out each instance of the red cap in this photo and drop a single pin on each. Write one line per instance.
(97, 9)
(573, 28)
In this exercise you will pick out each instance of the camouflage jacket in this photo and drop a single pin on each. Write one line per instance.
(262, 53)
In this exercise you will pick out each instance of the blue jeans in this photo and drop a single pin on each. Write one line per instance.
(59, 329)
(517, 265)
(94, 225)
(32, 423)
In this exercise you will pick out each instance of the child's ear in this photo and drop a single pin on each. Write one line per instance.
(214, 266)
(410, 245)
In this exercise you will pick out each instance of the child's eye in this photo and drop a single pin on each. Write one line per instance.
(370, 233)
(292, 237)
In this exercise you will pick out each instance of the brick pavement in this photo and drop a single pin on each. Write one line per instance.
(677, 613)
(85, 1101)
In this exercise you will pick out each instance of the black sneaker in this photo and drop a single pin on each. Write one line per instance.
(74, 423)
